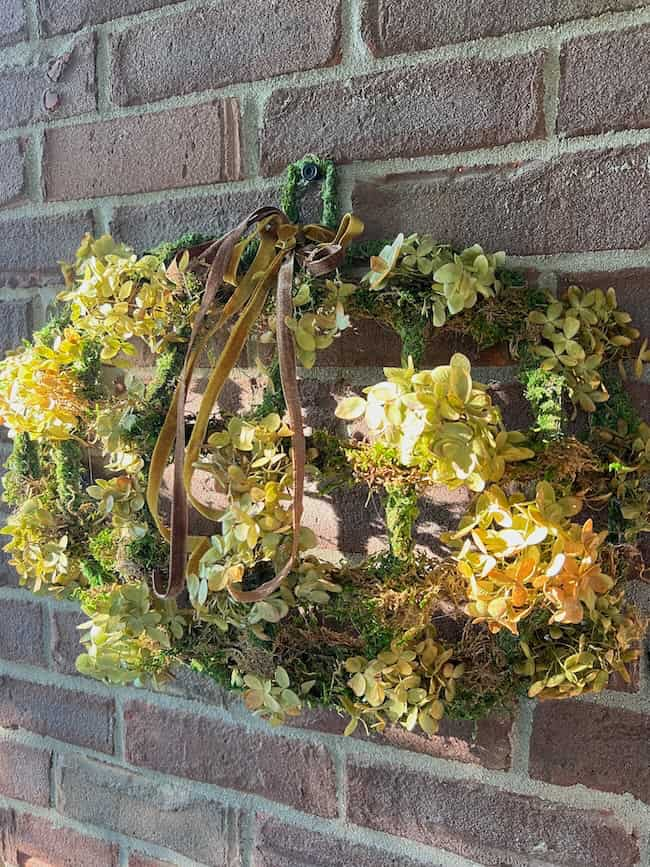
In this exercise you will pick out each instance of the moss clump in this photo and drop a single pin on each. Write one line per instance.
(68, 461)
(88, 369)
(618, 408)
(402, 510)
(150, 552)
(55, 326)
(546, 392)
(94, 572)
(273, 398)
(23, 470)
(295, 184)
(166, 252)
(103, 548)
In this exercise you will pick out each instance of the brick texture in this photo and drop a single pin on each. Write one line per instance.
(16, 324)
(13, 24)
(22, 628)
(168, 815)
(397, 26)
(289, 771)
(202, 148)
(600, 747)
(25, 773)
(485, 743)
(596, 200)
(30, 248)
(63, 16)
(30, 841)
(144, 226)
(515, 829)
(278, 844)
(64, 639)
(35, 93)
(150, 63)
(12, 179)
(63, 714)
(605, 82)
(430, 109)
(142, 861)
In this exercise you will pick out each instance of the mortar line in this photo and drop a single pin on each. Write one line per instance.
(552, 77)
(31, 16)
(103, 72)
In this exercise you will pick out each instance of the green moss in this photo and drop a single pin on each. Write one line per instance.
(619, 407)
(23, 468)
(546, 392)
(69, 461)
(294, 186)
(88, 369)
(411, 327)
(402, 510)
(166, 251)
(55, 326)
(94, 572)
(150, 552)
(103, 548)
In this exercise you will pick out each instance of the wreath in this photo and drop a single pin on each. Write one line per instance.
(527, 597)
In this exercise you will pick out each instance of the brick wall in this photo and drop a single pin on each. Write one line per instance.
(518, 125)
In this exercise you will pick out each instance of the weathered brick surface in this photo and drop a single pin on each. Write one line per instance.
(21, 635)
(64, 639)
(30, 841)
(484, 823)
(595, 200)
(25, 772)
(123, 156)
(169, 815)
(485, 743)
(137, 860)
(31, 248)
(63, 16)
(282, 845)
(12, 178)
(277, 767)
(151, 62)
(599, 747)
(632, 290)
(436, 108)
(605, 82)
(16, 323)
(396, 26)
(13, 23)
(63, 714)
(144, 226)
(22, 89)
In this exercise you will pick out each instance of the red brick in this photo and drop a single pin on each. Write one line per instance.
(632, 289)
(13, 23)
(484, 823)
(74, 92)
(22, 628)
(594, 200)
(437, 108)
(169, 815)
(605, 82)
(396, 26)
(137, 860)
(64, 639)
(180, 148)
(485, 743)
(145, 226)
(29, 841)
(152, 62)
(282, 845)
(25, 772)
(285, 770)
(31, 248)
(16, 324)
(600, 747)
(62, 16)
(12, 181)
(640, 394)
(64, 714)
